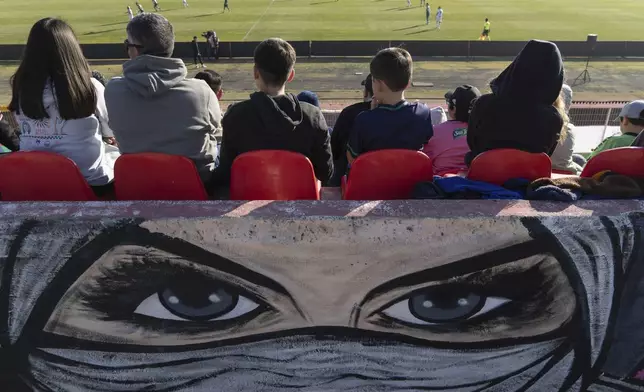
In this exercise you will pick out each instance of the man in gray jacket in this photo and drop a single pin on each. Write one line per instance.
(154, 107)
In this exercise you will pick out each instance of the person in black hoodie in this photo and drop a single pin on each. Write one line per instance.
(272, 119)
(521, 113)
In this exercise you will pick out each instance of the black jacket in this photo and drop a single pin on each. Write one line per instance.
(195, 48)
(274, 123)
(519, 113)
(340, 138)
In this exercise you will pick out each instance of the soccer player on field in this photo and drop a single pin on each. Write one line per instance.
(140, 7)
(408, 3)
(428, 14)
(485, 35)
(129, 12)
(155, 4)
(226, 7)
(185, 4)
(439, 18)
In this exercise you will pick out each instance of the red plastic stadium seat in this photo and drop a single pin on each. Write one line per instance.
(499, 166)
(627, 161)
(273, 175)
(386, 175)
(155, 176)
(41, 176)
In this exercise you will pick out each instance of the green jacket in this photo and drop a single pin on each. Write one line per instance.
(618, 141)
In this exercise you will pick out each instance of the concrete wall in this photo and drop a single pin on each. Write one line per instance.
(322, 296)
(469, 49)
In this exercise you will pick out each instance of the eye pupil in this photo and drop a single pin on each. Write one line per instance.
(196, 300)
(443, 306)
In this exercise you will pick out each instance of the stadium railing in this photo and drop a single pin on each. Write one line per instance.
(582, 113)
(468, 49)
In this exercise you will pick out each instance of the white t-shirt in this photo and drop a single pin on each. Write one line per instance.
(439, 14)
(80, 140)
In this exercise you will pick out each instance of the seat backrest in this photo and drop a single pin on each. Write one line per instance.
(387, 175)
(499, 166)
(627, 161)
(41, 176)
(273, 175)
(156, 176)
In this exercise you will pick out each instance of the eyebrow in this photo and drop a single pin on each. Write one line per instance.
(198, 255)
(464, 266)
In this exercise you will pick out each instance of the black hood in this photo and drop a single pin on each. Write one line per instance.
(277, 114)
(535, 76)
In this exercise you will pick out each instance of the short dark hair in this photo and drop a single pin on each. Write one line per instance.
(53, 57)
(153, 32)
(637, 121)
(274, 60)
(394, 67)
(212, 78)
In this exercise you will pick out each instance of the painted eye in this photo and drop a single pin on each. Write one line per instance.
(196, 303)
(441, 306)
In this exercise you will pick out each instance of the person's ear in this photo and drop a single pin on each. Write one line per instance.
(255, 73)
(220, 94)
(291, 76)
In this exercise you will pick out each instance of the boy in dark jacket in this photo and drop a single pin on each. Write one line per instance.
(272, 119)
(392, 122)
(196, 54)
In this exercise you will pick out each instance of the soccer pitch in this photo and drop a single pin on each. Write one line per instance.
(253, 20)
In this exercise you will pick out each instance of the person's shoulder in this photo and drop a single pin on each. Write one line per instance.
(358, 106)
(116, 84)
(239, 108)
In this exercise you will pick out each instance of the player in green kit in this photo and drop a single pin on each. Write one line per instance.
(485, 35)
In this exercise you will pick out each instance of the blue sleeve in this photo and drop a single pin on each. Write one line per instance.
(355, 144)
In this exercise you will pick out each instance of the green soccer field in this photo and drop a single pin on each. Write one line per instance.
(252, 20)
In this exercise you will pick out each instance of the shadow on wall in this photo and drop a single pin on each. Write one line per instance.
(237, 304)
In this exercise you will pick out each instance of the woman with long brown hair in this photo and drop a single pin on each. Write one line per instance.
(58, 106)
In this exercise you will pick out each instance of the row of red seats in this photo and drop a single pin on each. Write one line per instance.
(276, 175)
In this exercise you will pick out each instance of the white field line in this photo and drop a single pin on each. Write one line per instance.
(258, 20)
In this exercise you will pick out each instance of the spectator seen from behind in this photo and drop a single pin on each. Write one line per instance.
(392, 122)
(155, 107)
(562, 157)
(631, 125)
(342, 129)
(448, 146)
(309, 97)
(215, 82)
(521, 112)
(59, 107)
(273, 119)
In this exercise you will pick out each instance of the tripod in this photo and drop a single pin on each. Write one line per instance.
(584, 76)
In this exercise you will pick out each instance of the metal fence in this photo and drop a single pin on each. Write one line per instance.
(582, 113)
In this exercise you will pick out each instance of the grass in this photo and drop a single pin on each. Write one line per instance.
(252, 20)
(339, 81)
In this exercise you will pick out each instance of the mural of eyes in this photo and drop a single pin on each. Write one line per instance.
(203, 303)
(164, 291)
(439, 306)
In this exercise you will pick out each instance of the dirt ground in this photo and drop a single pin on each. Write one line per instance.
(337, 81)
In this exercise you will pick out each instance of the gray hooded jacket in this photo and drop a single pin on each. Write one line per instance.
(155, 108)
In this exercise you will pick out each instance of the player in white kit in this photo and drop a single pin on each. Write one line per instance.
(185, 4)
(129, 12)
(439, 18)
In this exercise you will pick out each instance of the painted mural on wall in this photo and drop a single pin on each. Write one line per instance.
(506, 304)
